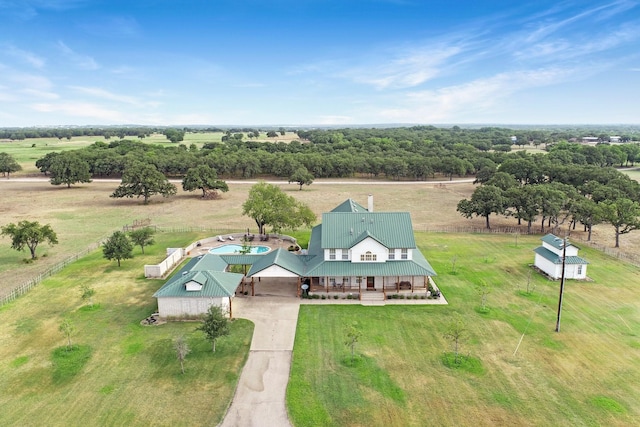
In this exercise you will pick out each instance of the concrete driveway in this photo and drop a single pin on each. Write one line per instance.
(260, 397)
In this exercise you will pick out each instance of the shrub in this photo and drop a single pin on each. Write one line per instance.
(324, 297)
(336, 297)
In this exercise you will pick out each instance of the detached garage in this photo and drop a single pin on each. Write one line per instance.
(191, 292)
(548, 259)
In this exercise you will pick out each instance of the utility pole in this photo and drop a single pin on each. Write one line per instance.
(564, 257)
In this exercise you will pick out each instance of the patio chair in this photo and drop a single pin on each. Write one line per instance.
(231, 238)
(220, 239)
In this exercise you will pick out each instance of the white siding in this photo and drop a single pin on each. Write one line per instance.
(188, 307)
(369, 245)
(275, 271)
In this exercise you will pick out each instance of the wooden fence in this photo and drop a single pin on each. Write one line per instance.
(29, 284)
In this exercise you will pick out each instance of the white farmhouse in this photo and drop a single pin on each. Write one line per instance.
(548, 258)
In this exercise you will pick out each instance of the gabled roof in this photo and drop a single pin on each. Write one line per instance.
(280, 257)
(214, 284)
(349, 205)
(555, 241)
(343, 229)
(557, 259)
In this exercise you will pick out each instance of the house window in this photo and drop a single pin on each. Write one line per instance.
(368, 256)
(345, 254)
(358, 280)
(392, 254)
(404, 254)
(332, 254)
(579, 270)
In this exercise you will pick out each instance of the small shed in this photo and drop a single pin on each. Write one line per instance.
(548, 259)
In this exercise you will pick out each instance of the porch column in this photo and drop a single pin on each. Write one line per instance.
(412, 279)
(230, 310)
(253, 288)
(298, 290)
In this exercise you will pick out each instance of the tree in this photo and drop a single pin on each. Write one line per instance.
(272, 134)
(301, 176)
(69, 168)
(174, 135)
(205, 178)
(117, 247)
(142, 179)
(456, 332)
(267, 204)
(67, 329)
(214, 324)
(623, 214)
(485, 200)
(87, 293)
(8, 164)
(142, 237)
(29, 234)
(483, 290)
(182, 349)
(351, 336)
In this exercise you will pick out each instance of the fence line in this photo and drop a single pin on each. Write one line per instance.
(28, 285)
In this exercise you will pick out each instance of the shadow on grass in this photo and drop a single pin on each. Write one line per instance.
(369, 374)
(69, 361)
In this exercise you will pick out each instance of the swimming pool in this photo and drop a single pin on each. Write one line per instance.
(235, 249)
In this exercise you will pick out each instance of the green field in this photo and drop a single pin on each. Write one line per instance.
(130, 375)
(28, 151)
(633, 173)
(588, 374)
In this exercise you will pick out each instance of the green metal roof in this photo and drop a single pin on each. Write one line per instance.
(206, 262)
(555, 241)
(214, 284)
(282, 258)
(389, 268)
(344, 230)
(349, 205)
(557, 259)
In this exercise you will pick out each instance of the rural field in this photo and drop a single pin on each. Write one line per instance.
(588, 374)
(522, 373)
(519, 371)
(129, 374)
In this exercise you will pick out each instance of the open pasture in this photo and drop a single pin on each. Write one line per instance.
(588, 374)
(85, 213)
(132, 376)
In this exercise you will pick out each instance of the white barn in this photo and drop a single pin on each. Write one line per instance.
(548, 258)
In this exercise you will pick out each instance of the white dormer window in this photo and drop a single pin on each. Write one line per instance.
(404, 254)
(368, 256)
(392, 254)
(345, 255)
(332, 254)
(193, 286)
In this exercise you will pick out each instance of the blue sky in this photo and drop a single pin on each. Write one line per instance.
(329, 62)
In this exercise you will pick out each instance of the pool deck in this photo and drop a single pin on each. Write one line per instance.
(273, 243)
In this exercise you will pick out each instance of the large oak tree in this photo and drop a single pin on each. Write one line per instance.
(29, 234)
(143, 180)
(267, 204)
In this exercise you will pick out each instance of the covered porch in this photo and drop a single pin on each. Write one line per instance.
(360, 284)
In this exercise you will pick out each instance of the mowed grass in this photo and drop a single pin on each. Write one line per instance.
(588, 374)
(124, 373)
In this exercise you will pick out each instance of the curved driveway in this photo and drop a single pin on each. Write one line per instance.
(260, 396)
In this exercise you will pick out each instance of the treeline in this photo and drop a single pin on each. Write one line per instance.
(415, 153)
(571, 185)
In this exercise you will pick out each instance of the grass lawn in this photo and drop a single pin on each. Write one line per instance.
(588, 374)
(121, 373)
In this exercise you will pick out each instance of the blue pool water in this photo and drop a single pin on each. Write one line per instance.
(235, 249)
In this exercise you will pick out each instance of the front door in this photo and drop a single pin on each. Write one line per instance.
(371, 283)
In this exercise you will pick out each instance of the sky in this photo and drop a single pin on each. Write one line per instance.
(318, 62)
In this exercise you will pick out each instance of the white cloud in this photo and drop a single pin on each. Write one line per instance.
(82, 61)
(409, 69)
(31, 81)
(475, 97)
(333, 120)
(82, 109)
(40, 94)
(25, 56)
